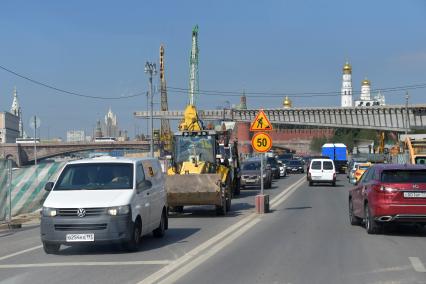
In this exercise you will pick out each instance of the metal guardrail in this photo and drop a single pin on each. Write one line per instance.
(5, 190)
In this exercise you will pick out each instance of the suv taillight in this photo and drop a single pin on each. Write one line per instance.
(334, 175)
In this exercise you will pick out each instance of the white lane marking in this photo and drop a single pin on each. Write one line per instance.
(182, 262)
(417, 264)
(19, 252)
(188, 267)
(93, 263)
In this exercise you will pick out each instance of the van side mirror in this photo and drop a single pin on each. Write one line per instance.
(48, 186)
(144, 185)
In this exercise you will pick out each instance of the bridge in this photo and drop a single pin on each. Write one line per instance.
(23, 154)
(390, 118)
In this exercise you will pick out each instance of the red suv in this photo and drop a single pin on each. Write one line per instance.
(389, 193)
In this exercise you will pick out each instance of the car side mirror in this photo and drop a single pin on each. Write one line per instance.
(48, 186)
(168, 157)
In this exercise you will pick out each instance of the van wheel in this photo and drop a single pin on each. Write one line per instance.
(333, 183)
(135, 238)
(50, 248)
(371, 226)
(161, 230)
(311, 183)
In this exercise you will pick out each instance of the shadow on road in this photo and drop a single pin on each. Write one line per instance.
(404, 230)
(173, 235)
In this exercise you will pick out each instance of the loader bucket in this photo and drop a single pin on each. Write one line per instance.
(194, 189)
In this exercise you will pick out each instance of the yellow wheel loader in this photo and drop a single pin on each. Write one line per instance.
(196, 176)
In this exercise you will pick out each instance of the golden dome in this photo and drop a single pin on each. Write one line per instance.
(366, 82)
(287, 102)
(347, 68)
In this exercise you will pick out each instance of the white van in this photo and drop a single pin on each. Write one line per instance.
(322, 171)
(104, 199)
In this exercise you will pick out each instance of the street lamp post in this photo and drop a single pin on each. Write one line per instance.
(151, 70)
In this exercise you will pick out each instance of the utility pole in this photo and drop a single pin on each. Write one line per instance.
(151, 70)
(406, 114)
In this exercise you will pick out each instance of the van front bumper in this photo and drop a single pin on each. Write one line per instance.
(106, 229)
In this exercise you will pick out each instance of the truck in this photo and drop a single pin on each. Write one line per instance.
(338, 153)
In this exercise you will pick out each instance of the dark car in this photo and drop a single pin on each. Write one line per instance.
(272, 162)
(250, 174)
(295, 166)
(389, 193)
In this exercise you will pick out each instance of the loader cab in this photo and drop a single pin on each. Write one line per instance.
(195, 151)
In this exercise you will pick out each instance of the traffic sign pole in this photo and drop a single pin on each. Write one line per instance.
(261, 143)
(261, 174)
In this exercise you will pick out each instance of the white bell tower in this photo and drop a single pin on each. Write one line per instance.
(347, 85)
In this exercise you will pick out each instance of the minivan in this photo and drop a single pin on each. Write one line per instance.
(104, 199)
(322, 171)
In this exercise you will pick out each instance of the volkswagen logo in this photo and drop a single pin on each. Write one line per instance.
(415, 186)
(81, 212)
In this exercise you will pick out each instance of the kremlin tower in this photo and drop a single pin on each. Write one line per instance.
(347, 86)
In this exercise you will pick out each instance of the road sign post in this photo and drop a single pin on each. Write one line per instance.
(261, 143)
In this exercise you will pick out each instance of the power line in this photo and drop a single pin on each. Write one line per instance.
(299, 95)
(68, 92)
(220, 93)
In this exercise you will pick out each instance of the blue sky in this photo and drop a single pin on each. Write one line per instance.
(100, 47)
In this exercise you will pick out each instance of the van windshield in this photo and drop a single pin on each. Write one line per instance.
(95, 176)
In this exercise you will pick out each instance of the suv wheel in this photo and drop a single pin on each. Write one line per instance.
(371, 226)
(354, 220)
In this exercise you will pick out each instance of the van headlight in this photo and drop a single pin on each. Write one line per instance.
(119, 210)
(49, 212)
(264, 175)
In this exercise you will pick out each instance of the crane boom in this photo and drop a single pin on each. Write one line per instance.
(193, 68)
(165, 132)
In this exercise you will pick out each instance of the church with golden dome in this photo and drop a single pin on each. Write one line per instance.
(365, 99)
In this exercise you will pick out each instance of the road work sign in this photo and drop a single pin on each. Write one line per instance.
(261, 122)
(261, 142)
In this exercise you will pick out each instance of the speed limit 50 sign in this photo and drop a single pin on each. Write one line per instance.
(261, 142)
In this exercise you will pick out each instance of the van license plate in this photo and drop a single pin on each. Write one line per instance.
(80, 237)
(415, 194)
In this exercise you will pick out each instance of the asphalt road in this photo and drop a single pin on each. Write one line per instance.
(306, 238)
(22, 259)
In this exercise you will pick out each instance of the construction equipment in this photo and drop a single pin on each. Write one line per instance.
(416, 146)
(196, 175)
(166, 135)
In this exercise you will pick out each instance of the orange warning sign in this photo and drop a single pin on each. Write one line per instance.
(261, 122)
(261, 142)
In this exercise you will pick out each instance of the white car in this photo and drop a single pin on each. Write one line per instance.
(104, 199)
(322, 171)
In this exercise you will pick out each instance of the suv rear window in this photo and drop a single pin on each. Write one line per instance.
(316, 165)
(404, 176)
(327, 165)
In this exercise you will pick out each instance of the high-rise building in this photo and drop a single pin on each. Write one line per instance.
(76, 136)
(347, 86)
(110, 127)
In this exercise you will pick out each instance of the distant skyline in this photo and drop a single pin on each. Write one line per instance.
(99, 48)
